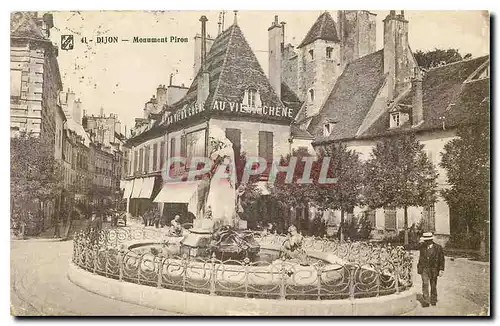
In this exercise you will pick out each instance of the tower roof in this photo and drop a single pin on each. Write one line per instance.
(323, 29)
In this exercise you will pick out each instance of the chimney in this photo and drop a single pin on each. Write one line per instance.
(417, 101)
(77, 112)
(102, 112)
(276, 37)
(171, 78)
(197, 51)
(397, 62)
(203, 79)
(70, 103)
(161, 96)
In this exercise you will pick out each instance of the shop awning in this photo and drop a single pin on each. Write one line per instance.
(136, 192)
(147, 187)
(177, 192)
(129, 185)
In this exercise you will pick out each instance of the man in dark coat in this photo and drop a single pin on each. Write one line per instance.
(430, 266)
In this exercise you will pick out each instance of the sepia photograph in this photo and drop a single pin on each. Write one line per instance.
(250, 163)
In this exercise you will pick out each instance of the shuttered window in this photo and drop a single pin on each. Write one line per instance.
(141, 160)
(147, 154)
(266, 146)
(390, 218)
(162, 154)
(172, 147)
(183, 146)
(155, 157)
(15, 83)
(136, 158)
(370, 216)
(234, 136)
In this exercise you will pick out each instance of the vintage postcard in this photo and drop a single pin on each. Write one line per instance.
(250, 163)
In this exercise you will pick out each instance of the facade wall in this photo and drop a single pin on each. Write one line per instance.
(149, 168)
(250, 135)
(27, 69)
(434, 143)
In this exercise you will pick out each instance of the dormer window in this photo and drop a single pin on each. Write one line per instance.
(251, 98)
(329, 51)
(328, 128)
(395, 120)
(311, 54)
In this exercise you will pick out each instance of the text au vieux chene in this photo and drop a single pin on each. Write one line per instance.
(235, 107)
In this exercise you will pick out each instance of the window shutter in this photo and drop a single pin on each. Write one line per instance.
(258, 102)
(234, 136)
(262, 144)
(183, 146)
(162, 154)
(172, 147)
(155, 157)
(269, 145)
(390, 218)
(245, 98)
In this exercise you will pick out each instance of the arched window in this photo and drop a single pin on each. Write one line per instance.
(329, 51)
(311, 95)
(311, 54)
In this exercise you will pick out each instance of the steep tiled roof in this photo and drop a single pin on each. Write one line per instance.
(351, 97)
(23, 24)
(287, 95)
(441, 87)
(323, 29)
(232, 67)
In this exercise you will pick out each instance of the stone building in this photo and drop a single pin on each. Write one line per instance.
(385, 93)
(310, 69)
(34, 75)
(35, 83)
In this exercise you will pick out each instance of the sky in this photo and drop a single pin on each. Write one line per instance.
(121, 77)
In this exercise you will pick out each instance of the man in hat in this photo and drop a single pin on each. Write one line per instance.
(430, 266)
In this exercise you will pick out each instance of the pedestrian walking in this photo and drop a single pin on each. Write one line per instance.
(430, 266)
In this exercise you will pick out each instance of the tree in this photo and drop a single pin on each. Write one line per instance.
(36, 176)
(345, 193)
(467, 162)
(433, 58)
(294, 194)
(399, 175)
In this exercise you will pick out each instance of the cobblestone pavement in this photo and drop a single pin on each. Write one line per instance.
(40, 286)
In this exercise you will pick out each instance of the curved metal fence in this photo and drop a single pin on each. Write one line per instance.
(360, 269)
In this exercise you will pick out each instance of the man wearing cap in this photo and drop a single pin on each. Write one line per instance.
(430, 266)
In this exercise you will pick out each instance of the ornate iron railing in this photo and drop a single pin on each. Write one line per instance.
(356, 270)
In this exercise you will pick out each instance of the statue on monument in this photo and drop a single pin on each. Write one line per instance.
(222, 187)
